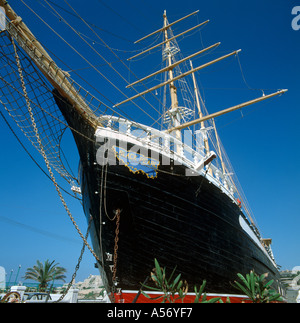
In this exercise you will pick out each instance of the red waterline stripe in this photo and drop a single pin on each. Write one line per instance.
(129, 296)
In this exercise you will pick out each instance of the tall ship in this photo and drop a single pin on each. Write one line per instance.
(160, 190)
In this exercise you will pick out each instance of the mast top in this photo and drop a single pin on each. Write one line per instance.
(166, 27)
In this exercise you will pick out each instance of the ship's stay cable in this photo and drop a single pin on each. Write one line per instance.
(108, 63)
(35, 229)
(97, 27)
(57, 34)
(122, 17)
(111, 50)
(90, 23)
(86, 60)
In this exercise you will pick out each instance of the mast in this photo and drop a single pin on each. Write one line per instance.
(178, 77)
(164, 42)
(174, 112)
(166, 27)
(165, 69)
(175, 117)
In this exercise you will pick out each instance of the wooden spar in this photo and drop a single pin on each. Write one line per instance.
(217, 114)
(174, 65)
(57, 77)
(24, 30)
(164, 42)
(177, 78)
(166, 27)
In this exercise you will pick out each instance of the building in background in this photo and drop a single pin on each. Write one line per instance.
(2, 278)
(291, 280)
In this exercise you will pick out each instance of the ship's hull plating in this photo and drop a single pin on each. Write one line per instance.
(184, 222)
(164, 218)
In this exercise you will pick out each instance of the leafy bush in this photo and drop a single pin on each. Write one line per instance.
(174, 289)
(256, 288)
(252, 285)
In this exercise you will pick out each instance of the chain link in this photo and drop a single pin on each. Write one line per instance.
(115, 260)
(77, 266)
(118, 213)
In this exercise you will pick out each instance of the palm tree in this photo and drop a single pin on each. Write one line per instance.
(44, 273)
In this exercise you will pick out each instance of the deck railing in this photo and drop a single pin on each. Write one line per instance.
(180, 151)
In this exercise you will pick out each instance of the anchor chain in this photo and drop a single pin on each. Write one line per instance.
(115, 259)
(77, 266)
(118, 213)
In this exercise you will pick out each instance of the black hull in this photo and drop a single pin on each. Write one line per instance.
(182, 221)
(163, 218)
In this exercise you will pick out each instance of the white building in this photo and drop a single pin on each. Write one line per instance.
(2, 278)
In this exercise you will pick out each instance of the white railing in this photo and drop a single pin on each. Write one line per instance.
(166, 144)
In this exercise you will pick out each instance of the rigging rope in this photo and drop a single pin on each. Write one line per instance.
(90, 23)
(101, 56)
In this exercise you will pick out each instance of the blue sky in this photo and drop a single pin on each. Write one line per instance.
(262, 142)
